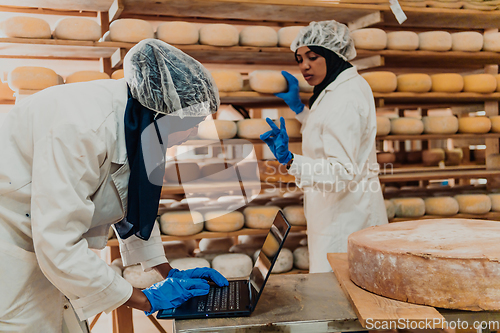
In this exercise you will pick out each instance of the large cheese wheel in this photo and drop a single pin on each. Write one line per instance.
(292, 127)
(227, 80)
(181, 223)
(453, 156)
(406, 125)
(268, 81)
(295, 215)
(286, 35)
(136, 276)
(224, 221)
(473, 203)
(260, 217)
(369, 39)
(495, 202)
(432, 157)
(409, 207)
(181, 172)
(118, 74)
(84, 76)
(178, 32)
(383, 126)
(390, 209)
(498, 81)
(116, 269)
(130, 30)
(252, 128)
(26, 27)
(491, 42)
(218, 171)
(77, 28)
(495, 124)
(477, 125)
(435, 41)
(32, 78)
(443, 206)
(480, 83)
(233, 265)
(467, 41)
(385, 157)
(217, 129)
(189, 263)
(284, 262)
(493, 162)
(119, 263)
(301, 257)
(440, 124)
(448, 263)
(383, 82)
(219, 35)
(303, 85)
(221, 245)
(258, 36)
(414, 83)
(5, 92)
(402, 40)
(273, 171)
(447, 82)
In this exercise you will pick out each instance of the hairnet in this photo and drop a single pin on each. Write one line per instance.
(331, 35)
(166, 80)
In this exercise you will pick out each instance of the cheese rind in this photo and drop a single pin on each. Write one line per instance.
(443, 206)
(233, 265)
(369, 38)
(292, 127)
(189, 263)
(406, 125)
(435, 41)
(85, 76)
(383, 126)
(478, 125)
(383, 82)
(491, 42)
(440, 124)
(432, 157)
(447, 82)
(284, 262)
(495, 202)
(402, 40)
(268, 81)
(227, 80)
(295, 215)
(301, 257)
(130, 30)
(178, 33)
(416, 82)
(181, 223)
(221, 245)
(409, 207)
(136, 276)
(495, 124)
(469, 41)
(252, 128)
(118, 74)
(219, 35)
(260, 217)
(217, 129)
(286, 35)
(32, 78)
(390, 208)
(453, 156)
(473, 203)
(77, 28)
(480, 83)
(224, 221)
(26, 27)
(258, 36)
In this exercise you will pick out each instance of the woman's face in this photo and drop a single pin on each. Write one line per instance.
(179, 137)
(312, 65)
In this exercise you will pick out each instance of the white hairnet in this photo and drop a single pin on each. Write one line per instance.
(166, 80)
(331, 35)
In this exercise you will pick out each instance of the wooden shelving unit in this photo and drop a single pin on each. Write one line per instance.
(493, 216)
(220, 187)
(435, 175)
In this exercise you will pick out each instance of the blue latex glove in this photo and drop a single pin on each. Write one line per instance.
(202, 272)
(170, 293)
(292, 97)
(277, 140)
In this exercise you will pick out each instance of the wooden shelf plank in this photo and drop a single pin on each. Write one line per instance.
(396, 137)
(434, 175)
(74, 5)
(493, 216)
(235, 141)
(194, 187)
(7, 102)
(422, 168)
(433, 97)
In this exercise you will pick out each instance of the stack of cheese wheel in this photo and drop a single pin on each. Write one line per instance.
(454, 156)
(32, 78)
(217, 129)
(493, 162)
(252, 128)
(382, 82)
(273, 171)
(301, 257)
(136, 276)
(402, 40)
(495, 124)
(295, 215)
(6, 93)
(473, 203)
(286, 35)
(406, 125)
(219, 35)
(409, 207)
(475, 125)
(433, 157)
(26, 27)
(491, 42)
(369, 39)
(416, 82)
(130, 30)
(258, 36)
(447, 82)
(467, 41)
(85, 76)
(383, 126)
(118, 74)
(284, 262)
(390, 209)
(292, 127)
(178, 33)
(435, 41)
(440, 124)
(495, 201)
(189, 263)
(181, 223)
(224, 221)
(218, 171)
(480, 83)
(268, 81)
(260, 217)
(181, 172)
(228, 80)
(77, 28)
(442, 206)
(233, 265)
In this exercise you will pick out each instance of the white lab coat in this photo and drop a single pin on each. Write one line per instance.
(338, 170)
(63, 182)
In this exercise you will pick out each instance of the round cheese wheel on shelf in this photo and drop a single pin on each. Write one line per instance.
(406, 125)
(224, 221)
(228, 80)
(453, 156)
(77, 28)
(106, 37)
(252, 128)
(440, 124)
(217, 171)
(286, 35)
(435, 41)
(303, 85)
(284, 262)
(119, 263)
(221, 245)
(390, 208)
(447, 82)
(136, 276)
(493, 162)
(130, 30)
(295, 215)
(383, 82)
(116, 269)
(384, 158)
(219, 35)
(467, 41)
(498, 81)
(402, 40)
(443, 206)
(6, 93)
(32, 78)
(178, 33)
(268, 81)
(495, 124)
(409, 207)
(495, 201)
(189, 263)
(181, 172)
(233, 265)
(26, 27)
(85, 76)
(477, 125)
(301, 257)
(258, 36)
(118, 74)
(292, 127)
(111, 233)
(383, 126)
(369, 38)
(491, 42)
(480, 83)
(181, 223)
(217, 129)
(260, 217)
(417, 82)
(432, 157)
(473, 203)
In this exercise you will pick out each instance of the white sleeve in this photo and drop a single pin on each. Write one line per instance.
(302, 117)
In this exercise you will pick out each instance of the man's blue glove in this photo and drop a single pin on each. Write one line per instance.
(170, 293)
(277, 140)
(292, 97)
(202, 273)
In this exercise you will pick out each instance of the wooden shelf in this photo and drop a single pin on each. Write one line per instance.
(435, 175)
(7, 102)
(399, 137)
(494, 216)
(435, 97)
(235, 141)
(422, 168)
(215, 186)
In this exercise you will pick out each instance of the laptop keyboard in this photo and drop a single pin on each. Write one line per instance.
(221, 298)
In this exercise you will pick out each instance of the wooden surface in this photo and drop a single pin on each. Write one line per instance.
(492, 216)
(433, 97)
(87, 5)
(433, 175)
(377, 308)
(194, 187)
(463, 136)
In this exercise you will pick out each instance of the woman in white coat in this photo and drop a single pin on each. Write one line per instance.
(338, 170)
(76, 159)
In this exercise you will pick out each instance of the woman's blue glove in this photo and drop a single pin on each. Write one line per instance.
(170, 293)
(292, 97)
(202, 272)
(277, 140)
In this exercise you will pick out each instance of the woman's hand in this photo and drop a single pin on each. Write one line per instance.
(277, 140)
(292, 97)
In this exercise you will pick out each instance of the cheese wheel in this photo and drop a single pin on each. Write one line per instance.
(77, 28)
(181, 33)
(227, 80)
(301, 257)
(292, 127)
(495, 202)
(252, 128)
(406, 125)
(286, 35)
(136, 276)
(175, 249)
(443, 206)
(217, 129)
(111, 233)
(181, 172)
(116, 269)
(435, 41)
(402, 40)
(414, 83)
(498, 82)
(467, 41)
(181, 223)
(219, 35)
(221, 245)
(5, 92)
(453, 156)
(383, 126)
(233, 265)
(383, 82)
(369, 39)
(130, 30)
(32, 78)
(284, 262)
(495, 124)
(480, 83)
(218, 171)
(118, 74)
(119, 263)
(303, 85)
(491, 42)
(295, 215)
(268, 81)
(440, 124)
(26, 27)
(189, 263)
(85, 76)
(224, 221)
(258, 36)
(384, 158)
(260, 217)
(106, 37)
(493, 162)
(447, 82)
(432, 157)
(409, 207)
(478, 125)
(390, 209)
(273, 171)
(473, 203)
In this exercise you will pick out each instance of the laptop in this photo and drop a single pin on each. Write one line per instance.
(241, 296)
